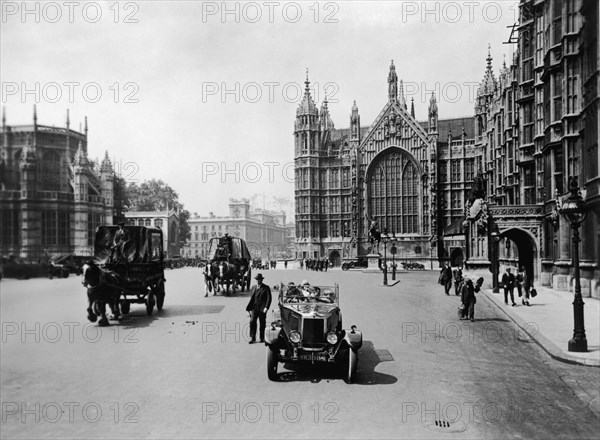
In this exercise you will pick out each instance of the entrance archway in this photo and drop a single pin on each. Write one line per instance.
(456, 257)
(335, 259)
(526, 249)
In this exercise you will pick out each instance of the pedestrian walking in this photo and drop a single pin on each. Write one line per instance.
(508, 281)
(519, 281)
(446, 278)
(285, 264)
(259, 304)
(468, 299)
(458, 280)
(527, 286)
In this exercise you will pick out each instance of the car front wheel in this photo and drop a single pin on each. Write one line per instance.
(272, 364)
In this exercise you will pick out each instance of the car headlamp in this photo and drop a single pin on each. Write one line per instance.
(332, 338)
(295, 337)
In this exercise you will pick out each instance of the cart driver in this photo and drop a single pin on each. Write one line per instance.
(121, 238)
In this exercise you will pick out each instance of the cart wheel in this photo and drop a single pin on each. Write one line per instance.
(125, 305)
(149, 303)
(272, 363)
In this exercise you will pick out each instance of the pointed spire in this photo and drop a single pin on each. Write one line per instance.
(86, 127)
(307, 105)
(3, 117)
(401, 97)
(106, 166)
(68, 119)
(80, 159)
(307, 83)
(489, 57)
(432, 103)
(34, 115)
(392, 83)
(412, 107)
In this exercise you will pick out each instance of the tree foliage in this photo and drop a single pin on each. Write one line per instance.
(156, 195)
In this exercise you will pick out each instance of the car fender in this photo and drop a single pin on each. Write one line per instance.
(354, 339)
(272, 335)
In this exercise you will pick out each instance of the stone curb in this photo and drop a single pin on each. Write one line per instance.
(547, 345)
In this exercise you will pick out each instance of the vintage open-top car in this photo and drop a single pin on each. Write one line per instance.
(308, 328)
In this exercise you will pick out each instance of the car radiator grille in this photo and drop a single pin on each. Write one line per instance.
(312, 333)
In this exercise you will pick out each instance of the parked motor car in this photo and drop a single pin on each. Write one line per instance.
(307, 327)
(22, 270)
(359, 262)
(69, 262)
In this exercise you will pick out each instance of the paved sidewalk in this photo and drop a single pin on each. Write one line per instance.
(549, 322)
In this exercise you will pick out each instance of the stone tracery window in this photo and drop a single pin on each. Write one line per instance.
(394, 193)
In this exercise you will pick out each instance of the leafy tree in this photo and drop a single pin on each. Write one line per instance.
(156, 195)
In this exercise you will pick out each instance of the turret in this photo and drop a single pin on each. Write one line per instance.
(28, 167)
(107, 185)
(35, 127)
(433, 115)
(392, 84)
(306, 129)
(354, 123)
(412, 107)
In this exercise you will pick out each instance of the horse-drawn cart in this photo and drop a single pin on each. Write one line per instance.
(228, 266)
(133, 265)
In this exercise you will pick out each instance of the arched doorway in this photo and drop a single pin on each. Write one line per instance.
(335, 259)
(526, 249)
(456, 257)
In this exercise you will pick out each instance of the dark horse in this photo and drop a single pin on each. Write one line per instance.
(101, 291)
(228, 276)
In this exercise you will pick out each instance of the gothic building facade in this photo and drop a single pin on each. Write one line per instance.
(537, 127)
(52, 197)
(486, 190)
(410, 177)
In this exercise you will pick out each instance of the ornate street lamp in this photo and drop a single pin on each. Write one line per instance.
(574, 210)
(385, 238)
(495, 235)
(393, 251)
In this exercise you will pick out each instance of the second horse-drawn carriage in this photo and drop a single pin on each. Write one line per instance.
(127, 268)
(228, 265)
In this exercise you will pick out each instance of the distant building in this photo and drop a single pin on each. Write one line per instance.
(52, 197)
(167, 221)
(264, 231)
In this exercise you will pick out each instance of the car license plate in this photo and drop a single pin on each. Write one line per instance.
(312, 357)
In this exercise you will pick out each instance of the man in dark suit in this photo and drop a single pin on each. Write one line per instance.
(508, 280)
(259, 304)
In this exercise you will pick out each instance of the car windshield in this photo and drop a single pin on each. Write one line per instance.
(309, 293)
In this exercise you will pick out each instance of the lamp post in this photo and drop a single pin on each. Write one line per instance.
(575, 211)
(385, 238)
(495, 234)
(393, 251)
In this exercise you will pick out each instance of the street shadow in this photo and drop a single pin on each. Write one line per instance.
(368, 359)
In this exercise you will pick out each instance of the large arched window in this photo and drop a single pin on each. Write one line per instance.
(394, 193)
(50, 170)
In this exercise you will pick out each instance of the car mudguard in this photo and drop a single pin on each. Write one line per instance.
(272, 335)
(354, 339)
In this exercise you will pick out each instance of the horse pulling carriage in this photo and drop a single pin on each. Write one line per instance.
(228, 266)
(127, 268)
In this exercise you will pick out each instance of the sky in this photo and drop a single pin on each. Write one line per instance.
(203, 95)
